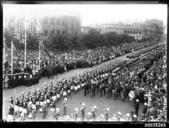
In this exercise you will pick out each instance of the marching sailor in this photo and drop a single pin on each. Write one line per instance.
(128, 117)
(64, 106)
(83, 107)
(76, 113)
(44, 109)
(16, 108)
(119, 116)
(107, 114)
(89, 116)
(94, 110)
(33, 110)
(57, 113)
(10, 113)
(11, 100)
(64, 93)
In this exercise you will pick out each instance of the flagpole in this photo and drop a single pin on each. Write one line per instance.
(39, 54)
(4, 59)
(4, 63)
(25, 47)
(11, 57)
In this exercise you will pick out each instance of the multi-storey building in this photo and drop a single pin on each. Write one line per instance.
(67, 25)
(85, 29)
(117, 28)
(150, 29)
(15, 26)
(153, 29)
(135, 30)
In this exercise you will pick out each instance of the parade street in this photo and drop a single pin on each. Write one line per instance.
(72, 101)
(84, 63)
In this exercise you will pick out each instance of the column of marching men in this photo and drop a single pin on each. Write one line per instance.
(140, 78)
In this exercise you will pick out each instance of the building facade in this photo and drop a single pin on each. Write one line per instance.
(68, 25)
(150, 29)
(63, 25)
(85, 29)
(15, 26)
(134, 30)
(153, 29)
(117, 28)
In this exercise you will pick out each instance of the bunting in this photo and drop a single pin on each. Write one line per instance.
(15, 51)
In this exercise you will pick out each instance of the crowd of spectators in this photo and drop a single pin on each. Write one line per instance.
(64, 61)
(146, 78)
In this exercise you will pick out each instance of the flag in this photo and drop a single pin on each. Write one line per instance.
(42, 48)
(38, 26)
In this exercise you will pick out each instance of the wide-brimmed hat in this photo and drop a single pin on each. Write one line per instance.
(83, 104)
(95, 107)
(76, 109)
(119, 113)
(127, 114)
(89, 113)
(135, 116)
(57, 109)
(107, 109)
(137, 100)
(145, 104)
(102, 116)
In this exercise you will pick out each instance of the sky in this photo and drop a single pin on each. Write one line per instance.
(91, 14)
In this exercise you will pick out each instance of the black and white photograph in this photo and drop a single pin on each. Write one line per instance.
(84, 62)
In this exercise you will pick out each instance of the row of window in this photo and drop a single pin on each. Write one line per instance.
(60, 22)
(59, 32)
(139, 32)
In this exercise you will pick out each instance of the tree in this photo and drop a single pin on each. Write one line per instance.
(11, 37)
(32, 42)
(93, 39)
